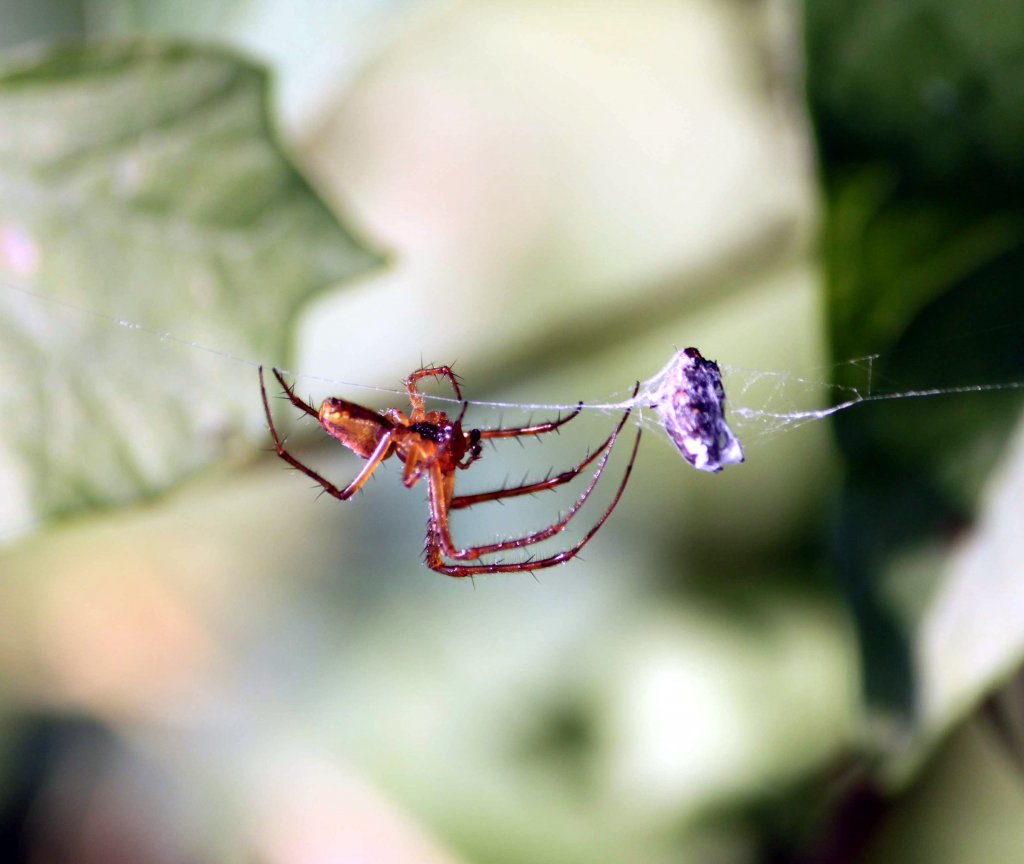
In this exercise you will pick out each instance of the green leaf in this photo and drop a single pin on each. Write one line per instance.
(923, 160)
(141, 182)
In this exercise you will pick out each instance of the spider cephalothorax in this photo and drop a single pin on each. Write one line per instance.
(432, 445)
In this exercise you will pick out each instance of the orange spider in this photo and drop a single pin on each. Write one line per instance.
(433, 446)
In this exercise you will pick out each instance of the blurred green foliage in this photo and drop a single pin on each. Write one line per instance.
(139, 174)
(569, 190)
(921, 143)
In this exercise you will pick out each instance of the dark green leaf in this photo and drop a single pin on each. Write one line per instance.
(922, 148)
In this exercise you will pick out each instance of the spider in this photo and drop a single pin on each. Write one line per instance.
(434, 446)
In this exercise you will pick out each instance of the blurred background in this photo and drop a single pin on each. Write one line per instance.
(810, 657)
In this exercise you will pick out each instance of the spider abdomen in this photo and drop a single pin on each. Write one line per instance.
(358, 428)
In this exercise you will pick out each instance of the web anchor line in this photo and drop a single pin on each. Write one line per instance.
(675, 392)
(799, 417)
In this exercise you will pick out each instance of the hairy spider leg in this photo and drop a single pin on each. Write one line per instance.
(475, 551)
(535, 429)
(416, 398)
(379, 453)
(478, 435)
(290, 391)
(460, 502)
(441, 545)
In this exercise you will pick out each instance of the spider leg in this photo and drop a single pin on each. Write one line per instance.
(461, 501)
(290, 391)
(536, 429)
(436, 562)
(440, 544)
(415, 397)
(376, 457)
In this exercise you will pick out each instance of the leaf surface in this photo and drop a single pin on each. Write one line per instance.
(141, 182)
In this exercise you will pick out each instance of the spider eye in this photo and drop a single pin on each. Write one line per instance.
(474, 437)
(475, 451)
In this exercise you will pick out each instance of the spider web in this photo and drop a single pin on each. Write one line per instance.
(761, 404)
(773, 420)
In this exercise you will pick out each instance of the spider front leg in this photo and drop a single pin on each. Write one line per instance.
(416, 398)
(533, 429)
(460, 502)
(439, 540)
(289, 390)
(381, 451)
